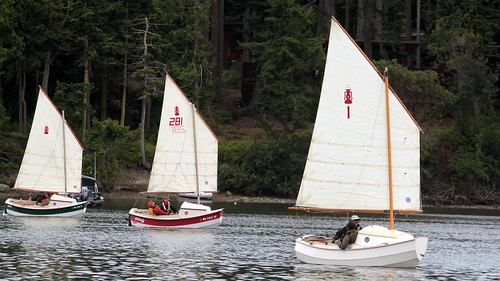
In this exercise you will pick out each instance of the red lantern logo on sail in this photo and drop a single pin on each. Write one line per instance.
(177, 122)
(348, 100)
(46, 130)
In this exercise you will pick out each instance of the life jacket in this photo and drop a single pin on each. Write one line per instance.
(158, 211)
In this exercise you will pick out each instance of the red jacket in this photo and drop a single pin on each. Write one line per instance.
(158, 211)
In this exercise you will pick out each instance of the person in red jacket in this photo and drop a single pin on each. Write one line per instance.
(155, 210)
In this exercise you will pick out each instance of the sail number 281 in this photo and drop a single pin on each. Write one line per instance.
(177, 126)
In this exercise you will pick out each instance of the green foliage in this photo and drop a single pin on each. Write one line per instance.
(469, 162)
(68, 98)
(12, 146)
(116, 147)
(420, 91)
(460, 42)
(186, 54)
(287, 53)
(223, 116)
(4, 116)
(263, 168)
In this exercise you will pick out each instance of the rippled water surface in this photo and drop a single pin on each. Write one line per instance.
(254, 242)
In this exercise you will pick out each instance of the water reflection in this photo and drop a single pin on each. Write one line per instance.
(327, 273)
(254, 242)
(46, 224)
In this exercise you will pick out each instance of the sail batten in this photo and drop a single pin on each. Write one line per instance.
(347, 166)
(178, 153)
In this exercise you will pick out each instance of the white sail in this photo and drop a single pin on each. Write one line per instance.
(42, 168)
(174, 165)
(347, 166)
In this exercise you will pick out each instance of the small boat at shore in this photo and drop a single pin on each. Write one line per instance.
(185, 161)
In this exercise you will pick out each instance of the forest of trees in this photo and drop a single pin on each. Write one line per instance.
(104, 63)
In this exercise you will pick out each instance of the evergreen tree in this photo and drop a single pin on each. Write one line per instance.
(288, 55)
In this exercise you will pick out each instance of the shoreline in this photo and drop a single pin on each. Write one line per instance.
(230, 198)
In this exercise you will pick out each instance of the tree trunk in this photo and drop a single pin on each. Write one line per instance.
(367, 38)
(363, 30)
(46, 72)
(104, 94)
(245, 57)
(22, 101)
(124, 90)
(408, 28)
(360, 22)
(217, 43)
(148, 113)
(378, 19)
(85, 98)
(408, 20)
(418, 33)
(145, 163)
(328, 6)
(347, 19)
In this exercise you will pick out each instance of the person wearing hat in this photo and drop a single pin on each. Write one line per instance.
(167, 207)
(348, 233)
(155, 210)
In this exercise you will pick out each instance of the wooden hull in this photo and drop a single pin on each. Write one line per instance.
(375, 246)
(190, 215)
(56, 208)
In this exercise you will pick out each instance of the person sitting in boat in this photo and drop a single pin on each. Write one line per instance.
(43, 199)
(348, 233)
(155, 210)
(167, 207)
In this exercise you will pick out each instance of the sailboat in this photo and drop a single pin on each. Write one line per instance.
(363, 157)
(185, 161)
(52, 163)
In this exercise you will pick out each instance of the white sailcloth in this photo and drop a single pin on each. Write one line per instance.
(42, 168)
(347, 166)
(176, 156)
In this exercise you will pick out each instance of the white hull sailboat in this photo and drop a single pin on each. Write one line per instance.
(52, 163)
(185, 161)
(375, 246)
(363, 157)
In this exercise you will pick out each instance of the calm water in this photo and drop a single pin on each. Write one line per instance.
(254, 242)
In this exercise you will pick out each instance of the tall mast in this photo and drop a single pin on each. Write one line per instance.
(196, 155)
(64, 153)
(389, 154)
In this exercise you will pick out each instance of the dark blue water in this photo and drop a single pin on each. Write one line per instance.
(254, 242)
